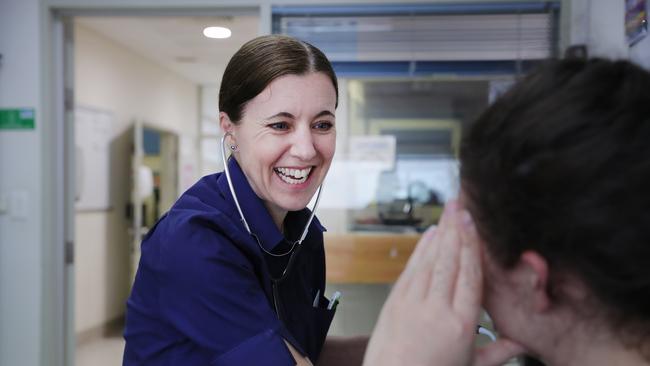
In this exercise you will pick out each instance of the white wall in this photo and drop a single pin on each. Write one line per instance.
(600, 24)
(111, 77)
(31, 309)
(607, 29)
(20, 172)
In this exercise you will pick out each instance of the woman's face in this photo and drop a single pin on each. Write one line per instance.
(286, 139)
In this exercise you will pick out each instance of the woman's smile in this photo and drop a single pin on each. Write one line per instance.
(293, 176)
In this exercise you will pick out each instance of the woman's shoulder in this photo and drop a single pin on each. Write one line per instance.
(199, 226)
(186, 240)
(201, 222)
(204, 195)
(203, 206)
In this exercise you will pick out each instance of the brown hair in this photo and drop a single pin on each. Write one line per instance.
(561, 165)
(260, 61)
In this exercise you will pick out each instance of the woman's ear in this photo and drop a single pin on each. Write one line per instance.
(534, 277)
(226, 124)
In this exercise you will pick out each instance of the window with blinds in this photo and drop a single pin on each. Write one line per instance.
(417, 35)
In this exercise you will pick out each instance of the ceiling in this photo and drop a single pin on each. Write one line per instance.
(177, 43)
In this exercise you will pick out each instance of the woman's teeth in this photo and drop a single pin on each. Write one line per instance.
(293, 176)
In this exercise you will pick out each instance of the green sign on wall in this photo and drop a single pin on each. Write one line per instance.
(17, 119)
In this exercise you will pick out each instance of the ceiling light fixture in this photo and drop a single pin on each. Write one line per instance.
(217, 32)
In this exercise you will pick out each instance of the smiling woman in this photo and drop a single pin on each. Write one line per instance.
(234, 273)
(285, 140)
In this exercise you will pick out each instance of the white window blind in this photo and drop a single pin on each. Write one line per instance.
(427, 37)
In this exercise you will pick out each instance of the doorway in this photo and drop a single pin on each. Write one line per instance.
(136, 121)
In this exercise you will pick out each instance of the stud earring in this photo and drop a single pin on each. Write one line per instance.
(233, 147)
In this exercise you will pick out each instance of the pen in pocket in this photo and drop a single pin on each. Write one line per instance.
(334, 301)
(315, 304)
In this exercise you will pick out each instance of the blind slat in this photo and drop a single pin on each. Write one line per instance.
(467, 37)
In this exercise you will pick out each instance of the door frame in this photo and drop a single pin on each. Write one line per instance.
(58, 342)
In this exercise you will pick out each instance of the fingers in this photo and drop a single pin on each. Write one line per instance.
(445, 265)
(418, 276)
(413, 265)
(446, 261)
(469, 286)
(497, 353)
(426, 261)
(424, 244)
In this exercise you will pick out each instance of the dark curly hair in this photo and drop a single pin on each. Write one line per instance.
(561, 165)
(260, 61)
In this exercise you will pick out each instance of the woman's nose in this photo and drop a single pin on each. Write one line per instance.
(302, 144)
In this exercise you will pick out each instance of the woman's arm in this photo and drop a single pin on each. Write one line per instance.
(300, 359)
(209, 293)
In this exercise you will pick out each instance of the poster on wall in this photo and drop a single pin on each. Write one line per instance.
(636, 20)
(93, 131)
(377, 149)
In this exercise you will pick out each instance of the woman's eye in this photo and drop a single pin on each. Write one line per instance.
(324, 126)
(279, 126)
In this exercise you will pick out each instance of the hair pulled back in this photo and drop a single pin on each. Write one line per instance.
(260, 61)
(561, 165)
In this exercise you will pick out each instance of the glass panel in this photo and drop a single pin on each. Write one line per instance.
(210, 155)
(210, 127)
(402, 148)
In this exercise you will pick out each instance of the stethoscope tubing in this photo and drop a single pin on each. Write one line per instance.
(241, 213)
(295, 248)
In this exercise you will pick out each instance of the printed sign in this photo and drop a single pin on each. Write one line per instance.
(377, 149)
(17, 119)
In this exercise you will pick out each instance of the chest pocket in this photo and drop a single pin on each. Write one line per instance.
(309, 325)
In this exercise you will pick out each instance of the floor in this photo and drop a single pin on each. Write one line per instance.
(108, 352)
(105, 351)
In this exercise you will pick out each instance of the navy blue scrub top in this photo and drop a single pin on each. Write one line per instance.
(202, 293)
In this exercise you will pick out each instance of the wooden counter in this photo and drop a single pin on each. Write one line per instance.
(367, 257)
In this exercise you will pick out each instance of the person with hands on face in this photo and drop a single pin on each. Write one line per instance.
(431, 314)
(555, 175)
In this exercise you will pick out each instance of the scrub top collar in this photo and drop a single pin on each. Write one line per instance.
(256, 214)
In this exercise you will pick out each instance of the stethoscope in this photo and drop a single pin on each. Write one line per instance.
(295, 248)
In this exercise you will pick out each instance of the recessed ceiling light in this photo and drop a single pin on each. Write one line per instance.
(217, 32)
